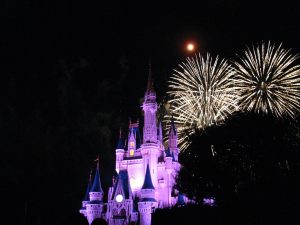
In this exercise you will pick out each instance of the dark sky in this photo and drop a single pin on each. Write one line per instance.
(34, 35)
(42, 31)
(50, 122)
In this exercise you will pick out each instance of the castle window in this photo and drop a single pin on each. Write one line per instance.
(131, 153)
(131, 144)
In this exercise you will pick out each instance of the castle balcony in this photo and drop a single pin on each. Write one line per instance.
(96, 196)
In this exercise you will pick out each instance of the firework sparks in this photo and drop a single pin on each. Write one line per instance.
(269, 80)
(202, 93)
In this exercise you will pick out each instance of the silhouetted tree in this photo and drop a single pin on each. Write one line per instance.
(249, 161)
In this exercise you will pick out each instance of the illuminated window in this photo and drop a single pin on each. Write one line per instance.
(131, 152)
(131, 144)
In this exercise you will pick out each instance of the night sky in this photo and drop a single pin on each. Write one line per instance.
(105, 47)
(39, 33)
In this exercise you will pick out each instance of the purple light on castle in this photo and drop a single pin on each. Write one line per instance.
(146, 173)
(209, 201)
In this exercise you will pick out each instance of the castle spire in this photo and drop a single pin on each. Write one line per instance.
(173, 145)
(148, 181)
(148, 201)
(86, 196)
(120, 141)
(150, 81)
(122, 186)
(150, 108)
(86, 199)
(132, 142)
(97, 182)
(168, 153)
(172, 127)
(159, 131)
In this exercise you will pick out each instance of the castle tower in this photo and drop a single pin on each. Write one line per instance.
(119, 152)
(95, 205)
(147, 203)
(173, 140)
(150, 148)
(86, 196)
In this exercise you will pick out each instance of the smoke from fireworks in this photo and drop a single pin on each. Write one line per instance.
(269, 80)
(202, 93)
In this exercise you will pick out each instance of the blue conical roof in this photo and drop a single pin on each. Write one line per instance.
(148, 181)
(180, 200)
(173, 157)
(86, 196)
(97, 183)
(168, 152)
(135, 131)
(172, 127)
(120, 142)
(123, 180)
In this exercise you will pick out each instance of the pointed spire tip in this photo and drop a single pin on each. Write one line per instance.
(150, 81)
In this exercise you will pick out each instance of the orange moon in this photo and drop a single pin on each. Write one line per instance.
(190, 47)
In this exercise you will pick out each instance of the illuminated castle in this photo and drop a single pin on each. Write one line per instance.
(146, 173)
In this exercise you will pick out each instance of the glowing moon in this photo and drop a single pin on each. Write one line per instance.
(190, 47)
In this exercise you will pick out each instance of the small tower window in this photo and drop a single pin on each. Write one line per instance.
(131, 144)
(131, 152)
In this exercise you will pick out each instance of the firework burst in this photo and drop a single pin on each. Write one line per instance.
(269, 80)
(202, 93)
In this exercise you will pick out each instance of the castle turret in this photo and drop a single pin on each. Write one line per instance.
(86, 196)
(95, 205)
(150, 148)
(148, 202)
(173, 140)
(119, 152)
(131, 143)
(169, 169)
